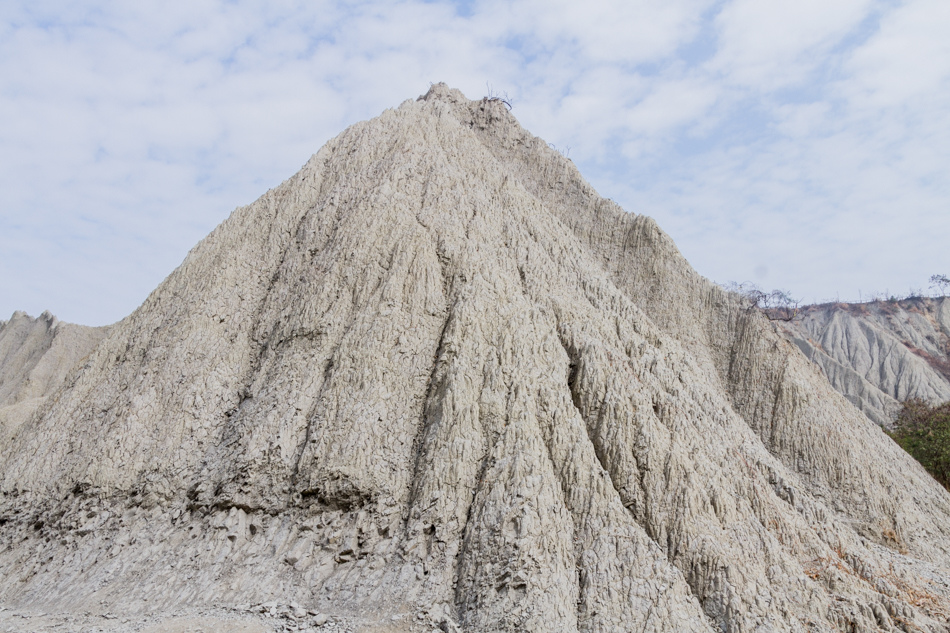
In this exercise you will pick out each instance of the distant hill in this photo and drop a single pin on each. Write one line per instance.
(36, 356)
(881, 353)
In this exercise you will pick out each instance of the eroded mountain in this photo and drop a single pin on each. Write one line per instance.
(881, 353)
(434, 372)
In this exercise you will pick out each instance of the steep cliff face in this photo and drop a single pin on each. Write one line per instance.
(881, 353)
(36, 356)
(435, 369)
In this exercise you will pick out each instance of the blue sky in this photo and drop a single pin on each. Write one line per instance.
(798, 145)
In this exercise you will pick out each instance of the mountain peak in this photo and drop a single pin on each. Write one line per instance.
(435, 371)
(443, 92)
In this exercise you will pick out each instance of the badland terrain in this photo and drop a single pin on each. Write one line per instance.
(434, 381)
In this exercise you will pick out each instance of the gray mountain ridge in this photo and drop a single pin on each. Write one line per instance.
(435, 380)
(881, 353)
(36, 356)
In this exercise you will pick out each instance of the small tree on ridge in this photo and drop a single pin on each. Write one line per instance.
(941, 283)
(778, 305)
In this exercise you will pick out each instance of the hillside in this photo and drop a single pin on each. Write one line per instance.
(881, 353)
(36, 357)
(435, 380)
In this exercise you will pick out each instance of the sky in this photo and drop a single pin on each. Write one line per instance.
(803, 146)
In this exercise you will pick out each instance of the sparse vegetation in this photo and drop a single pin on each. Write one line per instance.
(924, 431)
(777, 305)
(566, 152)
(496, 96)
(940, 283)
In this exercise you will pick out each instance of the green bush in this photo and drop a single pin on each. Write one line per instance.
(924, 432)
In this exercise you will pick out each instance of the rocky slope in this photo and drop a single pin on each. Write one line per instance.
(881, 353)
(36, 356)
(435, 379)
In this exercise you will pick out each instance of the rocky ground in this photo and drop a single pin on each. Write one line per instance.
(258, 618)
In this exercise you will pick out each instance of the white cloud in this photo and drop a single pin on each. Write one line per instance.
(810, 139)
(670, 105)
(766, 44)
(604, 31)
(908, 58)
